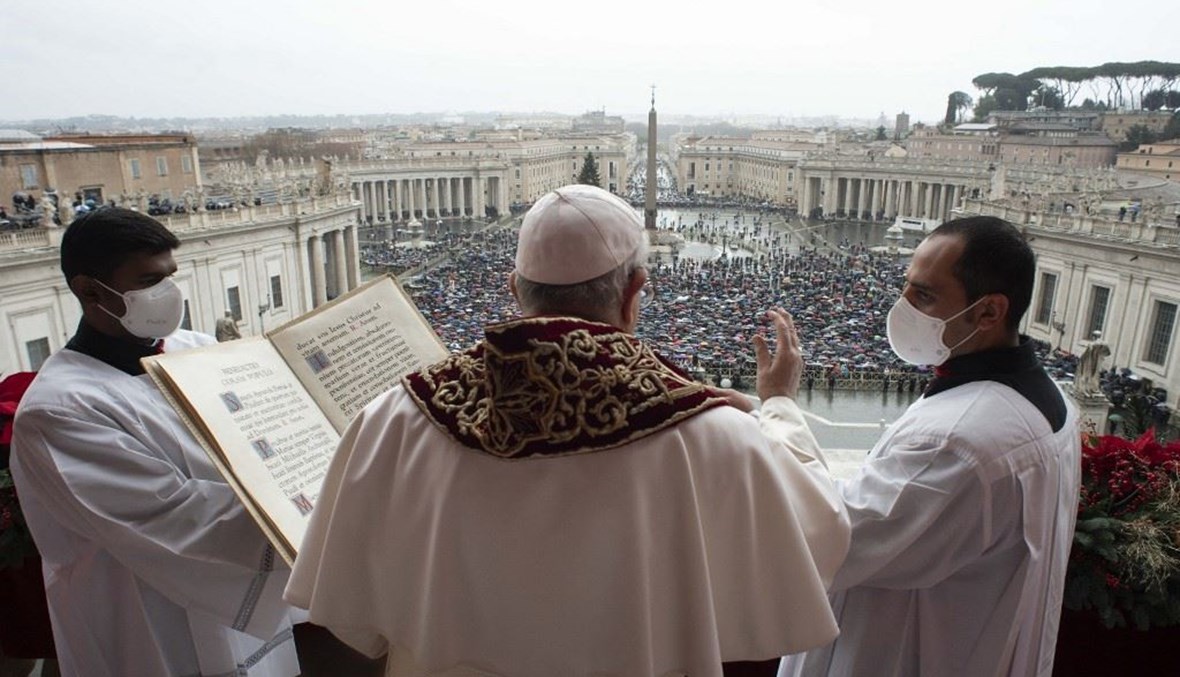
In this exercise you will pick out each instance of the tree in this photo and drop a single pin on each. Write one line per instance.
(589, 173)
(1049, 97)
(984, 106)
(1172, 131)
(1010, 92)
(956, 103)
(1137, 135)
(1172, 100)
(881, 133)
(1155, 99)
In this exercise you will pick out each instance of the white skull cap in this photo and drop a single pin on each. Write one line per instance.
(575, 234)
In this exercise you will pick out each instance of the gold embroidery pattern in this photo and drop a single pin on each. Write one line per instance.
(555, 386)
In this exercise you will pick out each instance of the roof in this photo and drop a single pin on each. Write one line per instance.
(39, 145)
(974, 127)
(1080, 140)
(17, 136)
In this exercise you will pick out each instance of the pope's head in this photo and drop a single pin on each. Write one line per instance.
(582, 252)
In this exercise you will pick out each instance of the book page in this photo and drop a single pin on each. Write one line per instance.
(351, 350)
(269, 438)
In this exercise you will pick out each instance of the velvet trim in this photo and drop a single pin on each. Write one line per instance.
(554, 386)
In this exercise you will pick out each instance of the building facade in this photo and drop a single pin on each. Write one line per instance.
(1020, 143)
(1115, 124)
(479, 178)
(1161, 160)
(759, 168)
(266, 265)
(1098, 274)
(124, 168)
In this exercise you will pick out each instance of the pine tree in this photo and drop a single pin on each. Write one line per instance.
(589, 173)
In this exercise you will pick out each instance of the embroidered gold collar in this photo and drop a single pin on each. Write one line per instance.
(553, 386)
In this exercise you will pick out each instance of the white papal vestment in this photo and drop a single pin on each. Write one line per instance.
(701, 543)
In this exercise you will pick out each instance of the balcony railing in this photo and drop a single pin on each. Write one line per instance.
(39, 238)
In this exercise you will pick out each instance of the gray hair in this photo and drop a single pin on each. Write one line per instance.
(590, 299)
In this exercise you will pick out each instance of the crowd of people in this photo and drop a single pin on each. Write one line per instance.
(706, 312)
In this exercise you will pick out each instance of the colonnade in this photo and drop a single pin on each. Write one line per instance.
(333, 260)
(409, 199)
(869, 197)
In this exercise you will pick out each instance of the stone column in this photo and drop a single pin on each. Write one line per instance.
(421, 195)
(463, 196)
(431, 196)
(477, 185)
(411, 200)
(319, 289)
(929, 201)
(862, 203)
(889, 199)
(373, 200)
(502, 195)
(395, 202)
(444, 195)
(382, 199)
(456, 194)
(341, 262)
(352, 254)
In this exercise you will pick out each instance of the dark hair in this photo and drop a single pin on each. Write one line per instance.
(996, 259)
(100, 241)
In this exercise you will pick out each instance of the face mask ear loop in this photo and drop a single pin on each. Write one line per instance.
(969, 336)
(104, 308)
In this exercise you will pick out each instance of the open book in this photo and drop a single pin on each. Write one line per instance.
(270, 410)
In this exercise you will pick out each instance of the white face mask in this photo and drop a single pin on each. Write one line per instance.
(152, 313)
(917, 337)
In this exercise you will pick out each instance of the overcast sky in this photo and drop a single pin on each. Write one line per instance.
(856, 58)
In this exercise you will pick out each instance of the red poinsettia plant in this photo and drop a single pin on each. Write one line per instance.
(1125, 561)
(16, 543)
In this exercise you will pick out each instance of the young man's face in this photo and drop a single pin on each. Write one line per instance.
(931, 285)
(139, 271)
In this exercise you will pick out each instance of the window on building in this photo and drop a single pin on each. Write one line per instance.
(186, 164)
(1159, 341)
(28, 176)
(1099, 299)
(1045, 303)
(234, 300)
(276, 291)
(161, 166)
(135, 171)
(38, 350)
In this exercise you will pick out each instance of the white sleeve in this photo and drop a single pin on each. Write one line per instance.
(190, 539)
(314, 577)
(816, 500)
(919, 513)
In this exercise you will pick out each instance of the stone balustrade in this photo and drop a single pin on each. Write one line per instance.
(1144, 231)
(35, 238)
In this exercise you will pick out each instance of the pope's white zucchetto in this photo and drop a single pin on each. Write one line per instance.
(575, 234)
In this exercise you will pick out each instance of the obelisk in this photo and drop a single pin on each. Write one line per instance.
(649, 205)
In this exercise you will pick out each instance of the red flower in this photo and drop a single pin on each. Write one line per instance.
(11, 390)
